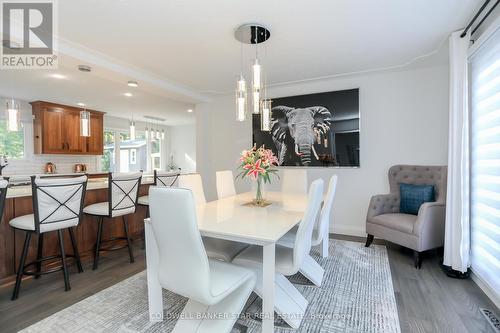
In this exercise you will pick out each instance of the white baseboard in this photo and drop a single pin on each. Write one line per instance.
(347, 230)
(492, 295)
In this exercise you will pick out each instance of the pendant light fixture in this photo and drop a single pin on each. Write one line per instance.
(163, 134)
(132, 130)
(158, 134)
(147, 132)
(251, 34)
(13, 116)
(152, 133)
(84, 123)
(266, 105)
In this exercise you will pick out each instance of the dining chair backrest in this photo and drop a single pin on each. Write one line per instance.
(302, 245)
(4, 184)
(166, 178)
(123, 192)
(183, 262)
(225, 184)
(323, 221)
(57, 202)
(294, 181)
(194, 183)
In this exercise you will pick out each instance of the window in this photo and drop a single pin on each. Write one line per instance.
(132, 155)
(156, 154)
(108, 156)
(485, 161)
(11, 143)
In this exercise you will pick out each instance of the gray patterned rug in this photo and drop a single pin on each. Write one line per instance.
(356, 296)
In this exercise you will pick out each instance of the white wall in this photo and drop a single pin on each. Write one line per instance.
(404, 119)
(183, 147)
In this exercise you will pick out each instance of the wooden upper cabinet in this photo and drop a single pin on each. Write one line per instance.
(56, 130)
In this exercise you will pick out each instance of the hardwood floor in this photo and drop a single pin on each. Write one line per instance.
(427, 300)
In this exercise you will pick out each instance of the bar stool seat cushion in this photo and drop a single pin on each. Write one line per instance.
(144, 200)
(27, 222)
(102, 209)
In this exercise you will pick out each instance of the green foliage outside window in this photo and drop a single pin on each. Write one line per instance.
(11, 143)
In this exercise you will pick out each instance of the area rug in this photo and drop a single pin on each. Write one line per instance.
(356, 296)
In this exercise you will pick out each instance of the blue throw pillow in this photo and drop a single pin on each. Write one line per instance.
(413, 196)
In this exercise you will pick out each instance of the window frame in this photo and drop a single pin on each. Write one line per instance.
(27, 128)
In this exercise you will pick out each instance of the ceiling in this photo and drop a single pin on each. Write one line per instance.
(183, 52)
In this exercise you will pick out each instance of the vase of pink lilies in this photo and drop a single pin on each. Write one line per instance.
(258, 164)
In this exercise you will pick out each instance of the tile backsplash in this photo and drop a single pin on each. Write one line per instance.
(64, 164)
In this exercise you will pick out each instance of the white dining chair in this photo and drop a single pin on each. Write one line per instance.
(123, 191)
(289, 302)
(195, 184)
(294, 181)
(213, 287)
(219, 249)
(310, 268)
(225, 184)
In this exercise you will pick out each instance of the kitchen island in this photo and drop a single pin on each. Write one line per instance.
(19, 202)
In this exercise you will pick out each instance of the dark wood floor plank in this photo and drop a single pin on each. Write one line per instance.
(427, 300)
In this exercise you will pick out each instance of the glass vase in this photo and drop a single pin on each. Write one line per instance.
(259, 199)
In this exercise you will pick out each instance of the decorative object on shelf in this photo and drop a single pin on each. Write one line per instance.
(258, 164)
(84, 123)
(250, 34)
(171, 164)
(13, 116)
(80, 168)
(49, 167)
(312, 130)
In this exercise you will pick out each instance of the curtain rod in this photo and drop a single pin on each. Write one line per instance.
(477, 15)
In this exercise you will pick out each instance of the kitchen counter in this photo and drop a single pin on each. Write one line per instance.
(18, 191)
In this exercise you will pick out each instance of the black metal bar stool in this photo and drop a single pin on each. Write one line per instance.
(57, 205)
(163, 179)
(123, 191)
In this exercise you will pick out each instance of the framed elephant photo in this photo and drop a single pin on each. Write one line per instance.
(313, 130)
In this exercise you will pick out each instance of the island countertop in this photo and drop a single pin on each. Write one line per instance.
(92, 184)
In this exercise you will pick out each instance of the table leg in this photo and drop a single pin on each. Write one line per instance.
(268, 273)
(155, 298)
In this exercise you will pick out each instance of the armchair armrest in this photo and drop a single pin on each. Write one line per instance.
(383, 204)
(430, 225)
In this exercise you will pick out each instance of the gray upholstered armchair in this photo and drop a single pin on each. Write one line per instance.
(421, 232)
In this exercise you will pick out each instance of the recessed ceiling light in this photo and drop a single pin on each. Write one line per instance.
(190, 110)
(58, 76)
(132, 84)
(80, 104)
(84, 68)
(127, 94)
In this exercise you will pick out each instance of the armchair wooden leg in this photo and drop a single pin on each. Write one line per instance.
(417, 256)
(369, 240)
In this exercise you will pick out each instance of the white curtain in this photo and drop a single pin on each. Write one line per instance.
(457, 234)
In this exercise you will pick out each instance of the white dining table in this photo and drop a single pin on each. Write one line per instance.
(231, 219)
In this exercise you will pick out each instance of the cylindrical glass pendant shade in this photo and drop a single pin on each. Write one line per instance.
(152, 134)
(241, 99)
(158, 134)
(84, 123)
(256, 74)
(163, 134)
(256, 101)
(147, 132)
(132, 130)
(265, 116)
(13, 116)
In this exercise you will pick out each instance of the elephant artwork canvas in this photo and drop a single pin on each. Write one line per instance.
(313, 130)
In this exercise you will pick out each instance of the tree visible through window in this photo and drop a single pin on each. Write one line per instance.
(11, 143)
